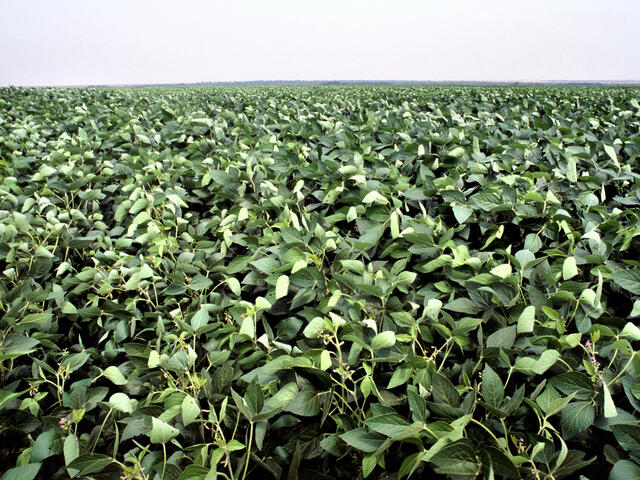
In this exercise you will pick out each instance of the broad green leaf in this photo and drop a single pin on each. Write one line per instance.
(6, 397)
(200, 318)
(569, 268)
(628, 279)
(625, 470)
(114, 374)
(394, 224)
(374, 196)
(461, 213)
(631, 331)
(315, 328)
(34, 320)
(161, 432)
(383, 340)
(355, 266)
(628, 436)
(432, 310)
(609, 407)
(612, 154)
(282, 286)
(43, 447)
(71, 451)
(262, 304)
(503, 337)
(121, 402)
(200, 282)
(457, 458)
(68, 308)
(23, 472)
(361, 439)
(526, 320)
(234, 286)
(190, 410)
(503, 271)
(388, 424)
(89, 463)
(576, 417)
(492, 387)
(572, 174)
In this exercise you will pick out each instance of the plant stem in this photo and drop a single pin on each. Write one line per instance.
(246, 463)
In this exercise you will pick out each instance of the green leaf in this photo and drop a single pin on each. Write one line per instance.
(200, 318)
(114, 374)
(569, 268)
(162, 432)
(6, 397)
(461, 213)
(631, 331)
(612, 154)
(526, 320)
(190, 410)
(247, 327)
(361, 439)
(44, 446)
(457, 458)
(374, 196)
(254, 397)
(432, 310)
(282, 286)
(628, 436)
(394, 224)
(504, 337)
(368, 464)
(262, 304)
(71, 451)
(89, 463)
(457, 152)
(492, 387)
(383, 340)
(546, 361)
(576, 417)
(572, 174)
(34, 320)
(625, 470)
(355, 266)
(68, 308)
(388, 424)
(234, 286)
(282, 397)
(316, 327)
(444, 391)
(628, 279)
(573, 383)
(200, 282)
(462, 305)
(24, 472)
(503, 271)
(406, 278)
(121, 402)
(609, 407)
(352, 214)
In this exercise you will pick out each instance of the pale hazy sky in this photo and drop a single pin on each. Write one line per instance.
(77, 42)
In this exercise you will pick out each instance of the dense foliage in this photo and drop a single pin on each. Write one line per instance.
(319, 282)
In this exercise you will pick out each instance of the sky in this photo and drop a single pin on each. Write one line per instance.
(81, 42)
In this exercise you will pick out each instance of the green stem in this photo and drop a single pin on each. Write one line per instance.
(164, 460)
(492, 435)
(623, 370)
(246, 464)
(100, 431)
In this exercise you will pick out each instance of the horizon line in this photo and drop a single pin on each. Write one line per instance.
(340, 82)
